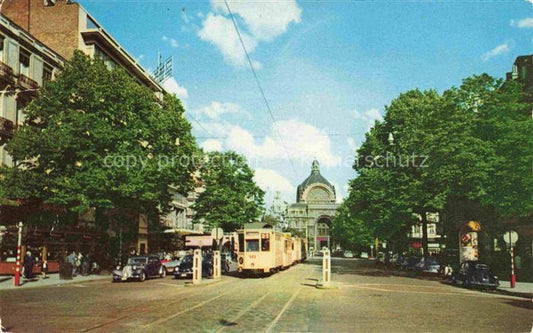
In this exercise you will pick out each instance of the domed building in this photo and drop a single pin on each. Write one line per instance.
(315, 207)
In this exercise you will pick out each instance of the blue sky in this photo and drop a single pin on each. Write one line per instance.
(328, 68)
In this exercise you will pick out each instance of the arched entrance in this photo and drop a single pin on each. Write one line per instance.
(323, 232)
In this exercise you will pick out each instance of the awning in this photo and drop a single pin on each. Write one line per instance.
(183, 231)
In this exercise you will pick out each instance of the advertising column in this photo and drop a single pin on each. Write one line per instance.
(468, 241)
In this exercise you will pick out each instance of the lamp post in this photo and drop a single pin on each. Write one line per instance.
(17, 265)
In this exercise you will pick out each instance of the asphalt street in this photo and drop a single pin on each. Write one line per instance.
(366, 299)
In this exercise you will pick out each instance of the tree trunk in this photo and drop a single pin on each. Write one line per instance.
(425, 249)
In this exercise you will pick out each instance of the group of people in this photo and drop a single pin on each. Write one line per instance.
(81, 264)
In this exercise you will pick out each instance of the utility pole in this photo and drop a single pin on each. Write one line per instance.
(17, 265)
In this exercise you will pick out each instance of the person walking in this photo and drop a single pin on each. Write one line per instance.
(72, 260)
(44, 269)
(28, 265)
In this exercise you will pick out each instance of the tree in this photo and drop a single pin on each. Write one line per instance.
(97, 138)
(231, 197)
(349, 231)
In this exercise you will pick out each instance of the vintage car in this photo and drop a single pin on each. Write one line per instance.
(475, 274)
(184, 270)
(139, 268)
(170, 265)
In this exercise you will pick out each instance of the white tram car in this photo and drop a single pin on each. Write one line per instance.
(268, 251)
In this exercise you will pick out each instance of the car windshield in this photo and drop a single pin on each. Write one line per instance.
(136, 261)
(187, 258)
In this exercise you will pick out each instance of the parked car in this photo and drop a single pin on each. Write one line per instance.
(364, 255)
(184, 270)
(139, 268)
(399, 261)
(475, 274)
(347, 254)
(409, 263)
(170, 265)
(431, 266)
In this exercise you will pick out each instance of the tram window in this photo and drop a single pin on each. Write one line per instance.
(241, 242)
(265, 242)
(252, 245)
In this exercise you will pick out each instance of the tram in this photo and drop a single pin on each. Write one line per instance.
(267, 251)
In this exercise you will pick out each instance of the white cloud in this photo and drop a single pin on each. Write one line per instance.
(173, 87)
(216, 109)
(523, 23)
(140, 58)
(270, 180)
(264, 19)
(351, 143)
(304, 143)
(500, 49)
(368, 117)
(212, 145)
(219, 31)
(171, 41)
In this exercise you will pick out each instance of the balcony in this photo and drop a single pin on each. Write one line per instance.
(6, 129)
(26, 83)
(6, 73)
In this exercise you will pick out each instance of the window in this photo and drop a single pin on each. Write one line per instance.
(98, 53)
(2, 48)
(47, 72)
(265, 242)
(241, 242)
(91, 24)
(24, 62)
(252, 245)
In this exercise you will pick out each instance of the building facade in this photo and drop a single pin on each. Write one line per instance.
(25, 63)
(36, 38)
(314, 209)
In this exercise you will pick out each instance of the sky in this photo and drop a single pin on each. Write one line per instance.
(327, 69)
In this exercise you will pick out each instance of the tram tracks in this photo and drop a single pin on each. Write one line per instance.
(260, 290)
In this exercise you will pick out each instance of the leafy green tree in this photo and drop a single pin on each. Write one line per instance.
(97, 138)
(349, 231)
(231, 197)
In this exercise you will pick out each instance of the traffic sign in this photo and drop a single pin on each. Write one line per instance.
(217, 233)
(513, 237)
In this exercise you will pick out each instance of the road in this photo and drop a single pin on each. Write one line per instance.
(367, 299)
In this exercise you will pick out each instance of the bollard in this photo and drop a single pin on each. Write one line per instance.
(326, 268)
(197, 267)
(216, 265)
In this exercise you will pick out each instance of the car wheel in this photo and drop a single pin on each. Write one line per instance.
(142, 276)
(163, 272)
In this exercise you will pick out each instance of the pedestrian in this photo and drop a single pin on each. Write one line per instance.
(78, 262)
(44, 269)
(85, 263)
(28, 265)
(72, 260)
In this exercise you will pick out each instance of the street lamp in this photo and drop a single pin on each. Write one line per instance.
(17, 265)
(391, 139)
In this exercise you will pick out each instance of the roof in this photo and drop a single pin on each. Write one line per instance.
(314, 178)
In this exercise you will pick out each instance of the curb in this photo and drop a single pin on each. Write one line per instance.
(55, 284)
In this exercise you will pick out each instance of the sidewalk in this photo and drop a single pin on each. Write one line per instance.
(522, 289)
(7, 282)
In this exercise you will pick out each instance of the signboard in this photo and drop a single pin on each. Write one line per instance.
(217, 233)
(513, 236)
(322, 239)
(416, 245)
(199, 241)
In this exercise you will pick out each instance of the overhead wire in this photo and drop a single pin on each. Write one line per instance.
(260, 87)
